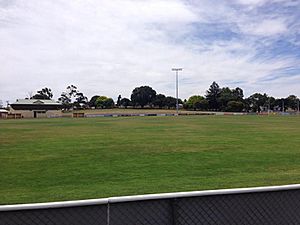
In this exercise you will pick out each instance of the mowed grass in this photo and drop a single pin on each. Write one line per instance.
(46, 160)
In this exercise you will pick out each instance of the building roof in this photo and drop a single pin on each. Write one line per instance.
(3, 111)
(35, 102)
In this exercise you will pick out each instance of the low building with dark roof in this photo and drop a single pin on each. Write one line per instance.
(3, 113)
(36, 108)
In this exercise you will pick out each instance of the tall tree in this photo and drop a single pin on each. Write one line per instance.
(281, 104)
(226, 95)
(212, 96)
(65, 100)
(170, 102)
(66, 97)
(159, 101)
(72, 98)
(197, 102)
(142, 96)
(257, 101)
(125, 102)
(81, 101)
(104, 102)
(72, 90)
(234, 96)
(270, 104)
(92, 102)
(119, 100)
(45, 93)
(292, 102)
(235, 106)
(238, 94)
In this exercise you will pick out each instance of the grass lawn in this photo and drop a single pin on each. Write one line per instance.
(135, 111)
(45, 160)
(128, 111)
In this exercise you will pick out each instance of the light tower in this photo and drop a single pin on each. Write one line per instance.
(176, 70)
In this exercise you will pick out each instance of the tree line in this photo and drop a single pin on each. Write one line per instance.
(216, 99)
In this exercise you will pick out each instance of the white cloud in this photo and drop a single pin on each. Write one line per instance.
(252, 2)
(110, 47)
(267, 27)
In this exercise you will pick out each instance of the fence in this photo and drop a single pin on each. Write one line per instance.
(279, 205)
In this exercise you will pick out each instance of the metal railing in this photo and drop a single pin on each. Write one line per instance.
(263, 205)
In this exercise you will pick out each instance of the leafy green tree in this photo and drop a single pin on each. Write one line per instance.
(227, 95)
(197, 102)
(100, 102)
(65, 100)
(72, 90)
(281, 104)
(72, 98)
(201, 105)
(109, 103)
(125, 102)
(212, 96)
(104, 102)
(270, 104)
(170, 102)
(238, 94)
(257, 101)
(92, 102)
(142, 96)
(292, 102)
(45, 94)
(160, 101)
(81, 101)
(235, 106)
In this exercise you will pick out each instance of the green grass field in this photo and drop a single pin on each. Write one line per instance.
(66, 159)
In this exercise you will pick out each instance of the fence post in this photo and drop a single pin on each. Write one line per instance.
(108, 214)
(173, 211)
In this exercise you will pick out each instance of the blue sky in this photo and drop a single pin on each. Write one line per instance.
(108, 47)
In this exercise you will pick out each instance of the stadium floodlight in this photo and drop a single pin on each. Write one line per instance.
(176, 70)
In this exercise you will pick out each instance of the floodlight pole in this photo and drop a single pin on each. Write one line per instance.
(176, 70)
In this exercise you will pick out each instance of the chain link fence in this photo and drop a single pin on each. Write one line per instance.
(270, 205)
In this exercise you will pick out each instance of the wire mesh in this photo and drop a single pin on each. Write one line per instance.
(263, 208)
(87, 215)
(141, 213)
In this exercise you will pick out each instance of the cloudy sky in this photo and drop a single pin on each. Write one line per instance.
(108, 47)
